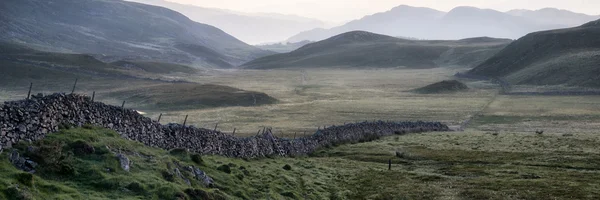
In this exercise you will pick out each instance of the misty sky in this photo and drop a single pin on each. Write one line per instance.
(345, 10)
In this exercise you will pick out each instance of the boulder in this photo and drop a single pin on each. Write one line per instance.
(124, 161)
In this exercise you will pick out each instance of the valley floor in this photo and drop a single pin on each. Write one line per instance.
(498, 156)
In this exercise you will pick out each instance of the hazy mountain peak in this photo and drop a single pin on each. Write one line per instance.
(471, 10)
(358, 36)
(460, 22)
(253, 28)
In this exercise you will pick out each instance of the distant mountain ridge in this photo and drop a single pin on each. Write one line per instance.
(556, 57)
(460, 22)
(253, 28)
(360, 49)
(284, 47)
(116, 30)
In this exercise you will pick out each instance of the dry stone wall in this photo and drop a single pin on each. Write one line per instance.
(32, 119)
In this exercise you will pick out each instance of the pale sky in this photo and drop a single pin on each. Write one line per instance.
(346, 10)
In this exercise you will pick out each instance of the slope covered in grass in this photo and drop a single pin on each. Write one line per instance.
(69, 170)
(556, 57)
(359, 49)
(449, 165)
(182, 96)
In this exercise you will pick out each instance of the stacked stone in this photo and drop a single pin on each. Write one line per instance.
(32, 119)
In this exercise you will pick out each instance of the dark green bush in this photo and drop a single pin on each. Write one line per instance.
(168, 176)
(287, 167)
(197, 159)
(224, 168)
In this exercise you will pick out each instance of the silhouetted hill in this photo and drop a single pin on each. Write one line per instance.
(365, 49)
(119, 30)
(460, 22)
(563, 56)
(248, 27)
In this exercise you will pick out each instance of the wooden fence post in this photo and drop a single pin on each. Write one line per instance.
(29, 93)
(390, 164)
(93, 95)
(75, 84)
(123, 107)
(185, 120)
(233, 134)
(159, 116)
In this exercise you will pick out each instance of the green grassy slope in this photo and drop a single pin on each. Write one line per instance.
(456, 165)
(66, 174)
(363, 50)
(565, 56)
(181, 96)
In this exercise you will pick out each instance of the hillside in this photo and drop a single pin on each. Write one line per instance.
(145, 84)
(447, 86)
(364, 49)
(283, 47)
(181, 96)
(116, 30)
(252, 28)
(460, 22)
(564, 56)
(21, 64)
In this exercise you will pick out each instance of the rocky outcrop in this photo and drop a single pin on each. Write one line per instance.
(32, 119)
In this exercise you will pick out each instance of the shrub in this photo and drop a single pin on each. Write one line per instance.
(224, 168)
(82, 148)
(287, 167)
(168, 176)
(52, 158)
(197, 159)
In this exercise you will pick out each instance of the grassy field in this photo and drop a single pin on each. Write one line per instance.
(329, 97)
(498, 156)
